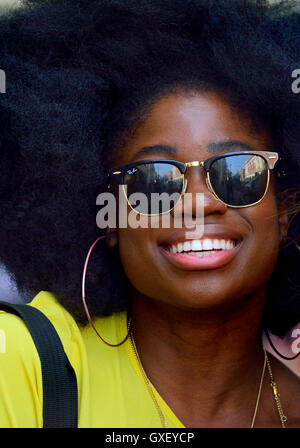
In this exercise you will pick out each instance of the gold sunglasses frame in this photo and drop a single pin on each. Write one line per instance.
(270, 157)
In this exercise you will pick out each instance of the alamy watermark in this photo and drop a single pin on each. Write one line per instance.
(145, 211)
(296, 84)
(2, 81)
(296, 343)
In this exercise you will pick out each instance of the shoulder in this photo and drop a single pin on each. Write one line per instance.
(78, 342)
(15, 334)
(21, 385)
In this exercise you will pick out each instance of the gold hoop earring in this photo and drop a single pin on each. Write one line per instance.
(84, 300)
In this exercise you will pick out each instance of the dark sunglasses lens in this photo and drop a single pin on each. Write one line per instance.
(153, 188)
(239, 180)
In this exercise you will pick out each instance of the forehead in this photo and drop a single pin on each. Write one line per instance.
(192, 123)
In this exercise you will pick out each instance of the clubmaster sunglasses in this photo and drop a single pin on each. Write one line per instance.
(238, 179)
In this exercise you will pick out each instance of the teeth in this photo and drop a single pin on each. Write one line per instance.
(202, 246)
(204, 253)
(187, 246)
(207, 244)
(229, 245)
(217, 244)
(196, 245)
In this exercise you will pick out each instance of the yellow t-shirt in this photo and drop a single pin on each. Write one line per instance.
(111, 389)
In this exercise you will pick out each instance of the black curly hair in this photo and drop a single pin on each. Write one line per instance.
(81, 75)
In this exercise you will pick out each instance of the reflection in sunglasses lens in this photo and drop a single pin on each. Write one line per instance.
(153, 180)
(239, 180)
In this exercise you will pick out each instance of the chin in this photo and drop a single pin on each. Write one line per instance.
(201, 301)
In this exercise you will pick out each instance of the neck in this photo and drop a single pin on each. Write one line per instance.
(210, 357)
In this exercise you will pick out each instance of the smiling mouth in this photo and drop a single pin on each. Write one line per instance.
(202, 248)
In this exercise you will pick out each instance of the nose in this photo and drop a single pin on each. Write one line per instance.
(196, 182)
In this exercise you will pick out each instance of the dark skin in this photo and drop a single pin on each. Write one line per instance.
(198, 332)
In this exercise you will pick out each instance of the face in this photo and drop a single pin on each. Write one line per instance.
(194, 125)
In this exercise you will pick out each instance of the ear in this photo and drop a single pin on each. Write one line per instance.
(112, 238)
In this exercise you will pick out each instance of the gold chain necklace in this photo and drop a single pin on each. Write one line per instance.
(282, 417)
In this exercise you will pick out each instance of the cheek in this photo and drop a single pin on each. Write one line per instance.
(264, 240)
(143, 264)
(136, 254)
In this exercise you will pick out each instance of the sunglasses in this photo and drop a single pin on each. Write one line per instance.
(238, 179)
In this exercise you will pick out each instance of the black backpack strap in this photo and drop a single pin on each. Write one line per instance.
(60, 400)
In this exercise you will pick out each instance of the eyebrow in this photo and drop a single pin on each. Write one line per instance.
(164, 150)
(216, 147)
(213, 148)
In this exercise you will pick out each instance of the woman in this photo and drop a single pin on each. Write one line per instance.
(119, 88)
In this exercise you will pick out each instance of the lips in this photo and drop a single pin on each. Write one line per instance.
(212, 250)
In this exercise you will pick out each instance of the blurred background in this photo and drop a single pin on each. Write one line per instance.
(8, 289)
(4, 4)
